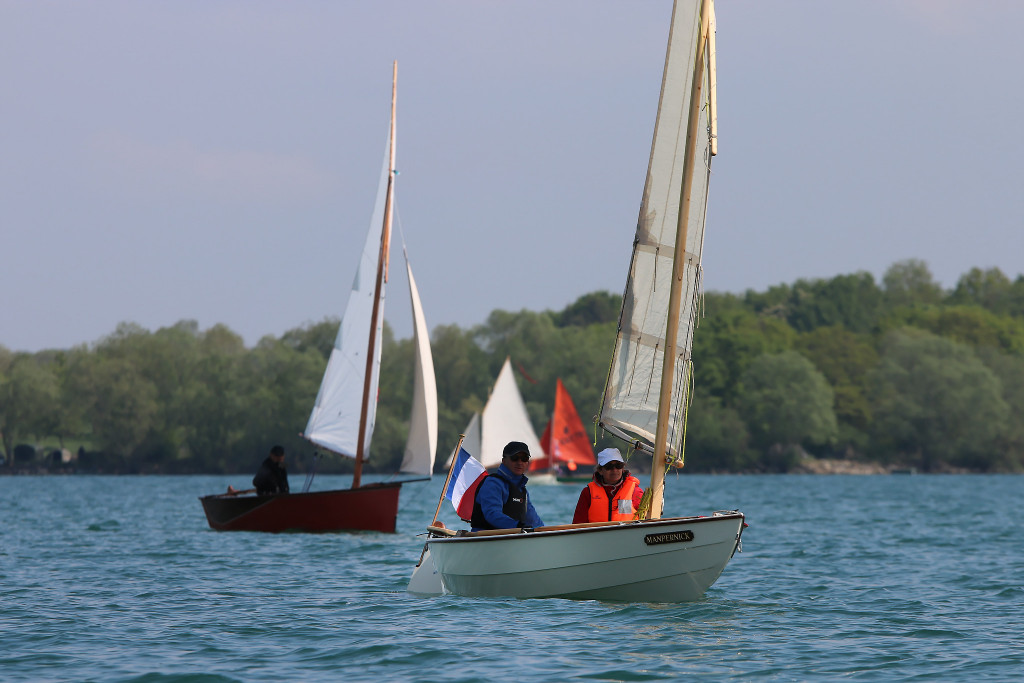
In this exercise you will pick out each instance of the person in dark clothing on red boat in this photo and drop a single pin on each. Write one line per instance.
(272, 476)
(613, 496)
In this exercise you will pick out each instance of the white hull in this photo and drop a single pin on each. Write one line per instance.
(425, 580)
(666, 560)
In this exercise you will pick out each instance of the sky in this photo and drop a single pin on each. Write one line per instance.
(218, 161)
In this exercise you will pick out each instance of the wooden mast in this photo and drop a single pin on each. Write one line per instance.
(678, 267)
(382, 277)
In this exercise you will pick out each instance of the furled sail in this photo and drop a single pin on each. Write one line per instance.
(335, 417)
(631, 400)
(422, 441)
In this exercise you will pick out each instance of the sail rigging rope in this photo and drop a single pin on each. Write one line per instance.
(317, 455)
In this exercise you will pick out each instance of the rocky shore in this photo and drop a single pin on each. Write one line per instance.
(826, 466)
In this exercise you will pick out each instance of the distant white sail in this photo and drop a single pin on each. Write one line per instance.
(630, 403)
(505, 419)
(334, 421)
(471, 443)
(422, 441)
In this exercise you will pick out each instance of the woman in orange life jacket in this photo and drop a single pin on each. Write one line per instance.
(613, 495)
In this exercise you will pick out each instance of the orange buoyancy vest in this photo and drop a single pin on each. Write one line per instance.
(620, 507)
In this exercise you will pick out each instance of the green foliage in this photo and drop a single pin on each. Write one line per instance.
(590, 309)
(319, 336)
(727, 342)
(966, 324)
(124, 407)
(853, 301)
(844, 358)
(28, 399)
(990, 289)
(901, 372)
(786, 402)
(1008, 453)
(716, 437)
(936, 403)
(909, 283)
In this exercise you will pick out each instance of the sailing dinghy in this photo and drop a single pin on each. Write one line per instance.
(649, 559)
(342, 418)
(565, 442)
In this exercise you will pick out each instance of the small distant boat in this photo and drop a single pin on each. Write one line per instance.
(647, 393)
(565, 443)
(343, 415)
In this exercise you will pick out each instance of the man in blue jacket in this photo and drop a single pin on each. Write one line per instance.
(501, 499)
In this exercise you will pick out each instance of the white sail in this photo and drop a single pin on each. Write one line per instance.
(471, 444)
(422, 441)
(653, 560)
(631, 397)
(503, 419)
(333, 423)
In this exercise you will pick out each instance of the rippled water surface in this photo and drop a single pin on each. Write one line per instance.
(869, 578)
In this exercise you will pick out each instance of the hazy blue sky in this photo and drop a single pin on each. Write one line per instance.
(218, 161)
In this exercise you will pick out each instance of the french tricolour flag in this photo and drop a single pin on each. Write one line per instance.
(467, 473)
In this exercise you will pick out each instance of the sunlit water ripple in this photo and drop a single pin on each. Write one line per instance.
(872, 578)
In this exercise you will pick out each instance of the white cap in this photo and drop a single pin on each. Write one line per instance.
(609, 455)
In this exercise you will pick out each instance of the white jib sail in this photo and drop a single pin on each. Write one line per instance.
(505, 419)
(471, 442)
(334, 422)
(422, 441)
(631, 396)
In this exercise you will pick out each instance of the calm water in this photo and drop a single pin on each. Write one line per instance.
(871, 578)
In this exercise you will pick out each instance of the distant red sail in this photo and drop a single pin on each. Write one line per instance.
(543, 462)
(565, 438)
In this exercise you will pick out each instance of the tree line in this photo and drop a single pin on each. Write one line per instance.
(899, 372)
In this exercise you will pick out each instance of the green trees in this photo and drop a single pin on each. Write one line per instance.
(844, 359)
(853, 301)
(728, 340)
(839, 368)
(936, 403)
(28, 399)
(910, 282)
(786, 403)
(717, 439)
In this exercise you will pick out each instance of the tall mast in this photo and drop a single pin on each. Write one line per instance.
(678, 266)
(382, 277)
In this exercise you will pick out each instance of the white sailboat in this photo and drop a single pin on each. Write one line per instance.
(343, 415)
(646, 396)
(503, 419)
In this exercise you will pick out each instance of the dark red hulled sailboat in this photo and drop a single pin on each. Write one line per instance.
(343, 416)
(371, 507)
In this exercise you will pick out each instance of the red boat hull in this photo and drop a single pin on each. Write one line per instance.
(373, 507)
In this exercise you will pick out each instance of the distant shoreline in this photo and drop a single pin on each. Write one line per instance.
(805, 467)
